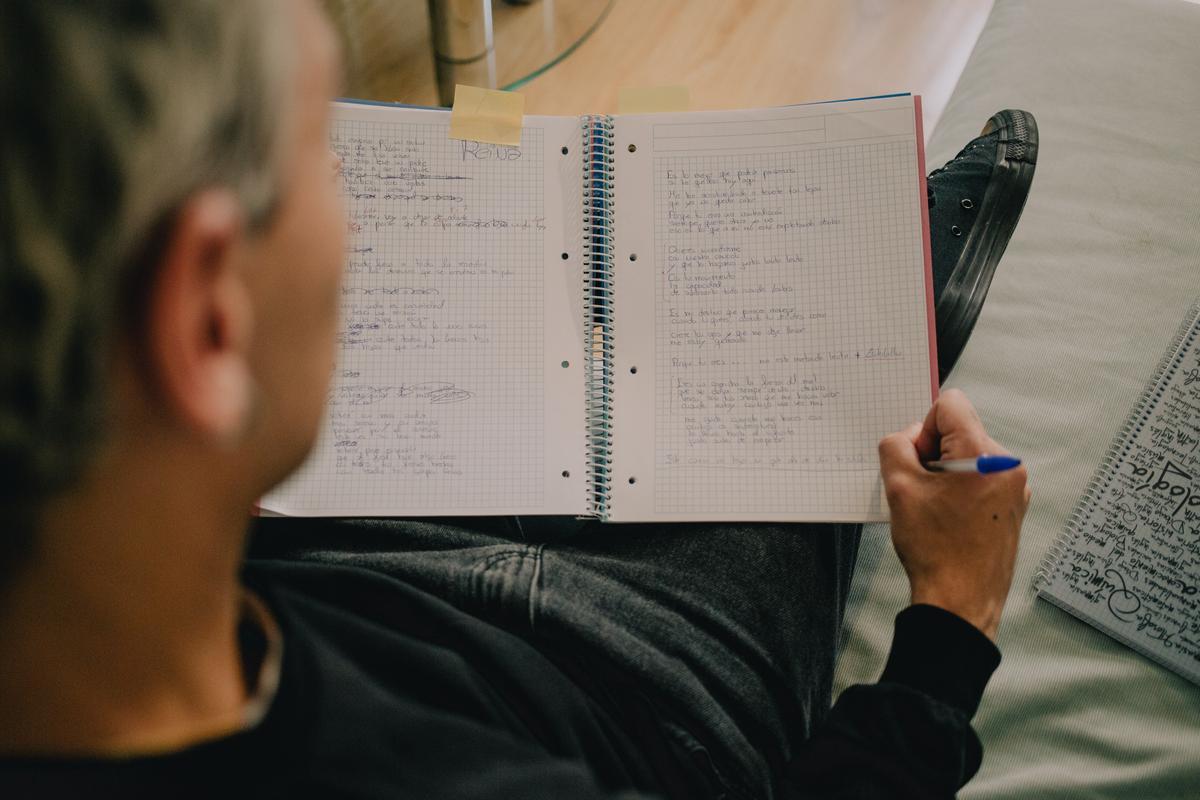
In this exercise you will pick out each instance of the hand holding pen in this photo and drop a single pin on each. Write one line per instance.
(956, 534)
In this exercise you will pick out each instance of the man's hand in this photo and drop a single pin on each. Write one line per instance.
(956, 533)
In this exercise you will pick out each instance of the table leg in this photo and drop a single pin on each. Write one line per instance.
(463, 46)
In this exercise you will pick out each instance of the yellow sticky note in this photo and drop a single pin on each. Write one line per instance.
(652, 99)
(487, 115)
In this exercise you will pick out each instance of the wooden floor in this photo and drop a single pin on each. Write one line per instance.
(751, 53)
(729, 53)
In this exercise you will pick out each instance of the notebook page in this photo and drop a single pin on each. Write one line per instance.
(1129, 562)
(458, 387)
(778, 313)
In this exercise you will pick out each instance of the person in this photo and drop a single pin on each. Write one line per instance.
(170, 251)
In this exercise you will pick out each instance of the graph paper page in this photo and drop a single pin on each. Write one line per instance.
(458, 386)
(776, 321)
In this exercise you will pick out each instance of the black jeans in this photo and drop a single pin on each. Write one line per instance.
(730, 630)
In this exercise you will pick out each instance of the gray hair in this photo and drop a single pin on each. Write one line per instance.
(115, 111)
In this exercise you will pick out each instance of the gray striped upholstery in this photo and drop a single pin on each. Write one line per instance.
(1095, 281)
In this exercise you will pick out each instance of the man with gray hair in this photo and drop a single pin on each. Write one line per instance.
(171, 240)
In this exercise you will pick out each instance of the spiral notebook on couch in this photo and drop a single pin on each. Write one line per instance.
(683, 316)
(1128, 562)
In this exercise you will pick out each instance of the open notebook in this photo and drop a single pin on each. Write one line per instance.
(696, 316)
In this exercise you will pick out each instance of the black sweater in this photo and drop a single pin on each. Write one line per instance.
(389, 692)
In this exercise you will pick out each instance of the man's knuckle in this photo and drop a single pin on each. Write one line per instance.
(897, 485)
(1019, 477)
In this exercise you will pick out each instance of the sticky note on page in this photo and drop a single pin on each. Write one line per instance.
(487, 115)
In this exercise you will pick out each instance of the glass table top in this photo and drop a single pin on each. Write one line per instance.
(414, 51)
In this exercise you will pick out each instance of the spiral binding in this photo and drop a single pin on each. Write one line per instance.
(598, 169)
(1163, 374)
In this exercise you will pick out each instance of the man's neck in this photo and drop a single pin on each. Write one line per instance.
(120, 633)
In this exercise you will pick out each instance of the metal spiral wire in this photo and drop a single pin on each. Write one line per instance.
(598, 171)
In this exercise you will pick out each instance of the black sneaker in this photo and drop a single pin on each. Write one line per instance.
(975, 201)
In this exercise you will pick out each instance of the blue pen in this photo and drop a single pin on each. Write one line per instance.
(982, 464)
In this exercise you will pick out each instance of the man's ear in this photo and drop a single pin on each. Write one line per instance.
(199, 318)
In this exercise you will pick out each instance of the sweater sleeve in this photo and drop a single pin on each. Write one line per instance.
(909, 735)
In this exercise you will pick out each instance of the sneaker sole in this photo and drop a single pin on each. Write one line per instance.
(1012, 174)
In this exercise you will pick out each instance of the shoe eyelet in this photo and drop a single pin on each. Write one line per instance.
(966, 203)
(957, 231)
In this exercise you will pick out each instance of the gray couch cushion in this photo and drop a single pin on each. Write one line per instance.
(1097, 278)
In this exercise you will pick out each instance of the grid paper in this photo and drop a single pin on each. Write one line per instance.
(437, 400)
(787, 343)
